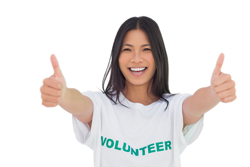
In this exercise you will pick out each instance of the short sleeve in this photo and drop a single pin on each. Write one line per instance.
(83, 133)
(191, 132)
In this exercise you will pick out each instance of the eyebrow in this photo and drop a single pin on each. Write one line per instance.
(132, 45)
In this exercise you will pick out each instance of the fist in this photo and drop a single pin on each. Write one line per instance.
(222, 85)
(54, 88)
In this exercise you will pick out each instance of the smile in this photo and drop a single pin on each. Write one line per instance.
(138, 71)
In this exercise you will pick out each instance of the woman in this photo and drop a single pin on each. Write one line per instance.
(135, 120)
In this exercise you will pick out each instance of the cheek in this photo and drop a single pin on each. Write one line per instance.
(151, 60)
(122, 61)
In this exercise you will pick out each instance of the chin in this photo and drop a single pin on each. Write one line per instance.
(137, 83)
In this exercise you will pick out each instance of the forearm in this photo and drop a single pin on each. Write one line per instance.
(202, 101)
(75, 103)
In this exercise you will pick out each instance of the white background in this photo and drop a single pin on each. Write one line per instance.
(81, 35)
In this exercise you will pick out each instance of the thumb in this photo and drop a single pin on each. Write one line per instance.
(55, 64)
(217, 69)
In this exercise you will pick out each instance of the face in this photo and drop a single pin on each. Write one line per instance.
(136, 60)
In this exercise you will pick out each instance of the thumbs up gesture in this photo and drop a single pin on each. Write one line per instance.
(221, 84)
(54, 87)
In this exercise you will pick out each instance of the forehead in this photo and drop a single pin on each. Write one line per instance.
(135, 36)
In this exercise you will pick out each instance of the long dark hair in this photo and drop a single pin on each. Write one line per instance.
(116, 81)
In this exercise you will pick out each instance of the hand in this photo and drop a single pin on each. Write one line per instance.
(54, 88)
(221, 84)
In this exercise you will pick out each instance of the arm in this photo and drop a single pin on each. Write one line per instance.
(222, 89)
(77, 104)
(195, 106)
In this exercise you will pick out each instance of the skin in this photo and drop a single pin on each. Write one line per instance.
(137, 56)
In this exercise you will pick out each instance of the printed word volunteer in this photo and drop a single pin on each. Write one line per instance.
(151, 148)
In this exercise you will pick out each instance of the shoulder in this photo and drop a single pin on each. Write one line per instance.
(97, 96)
(168, 96)
(179, 97)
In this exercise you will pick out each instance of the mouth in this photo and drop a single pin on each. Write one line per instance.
(141, 69)
(137, 71)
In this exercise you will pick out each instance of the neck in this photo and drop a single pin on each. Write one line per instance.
(139, 94)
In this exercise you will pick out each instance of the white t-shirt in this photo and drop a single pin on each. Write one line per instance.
(138, 136)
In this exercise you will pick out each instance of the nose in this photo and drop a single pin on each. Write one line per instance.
(136, 58)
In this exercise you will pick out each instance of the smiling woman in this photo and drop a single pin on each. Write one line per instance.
(135, 121)
(147, 112)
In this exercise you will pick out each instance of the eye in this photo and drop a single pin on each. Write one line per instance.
(126, 49)
(147, 49)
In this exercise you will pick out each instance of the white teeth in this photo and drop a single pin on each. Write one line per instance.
(137, 69)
